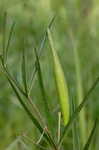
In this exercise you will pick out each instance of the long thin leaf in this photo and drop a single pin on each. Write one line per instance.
(5, 51)
(86, 147)
(24, 106)
(44, 96)
(60, 83)
(34, 120)
(23, 68)
(78, 109)
(80, 95)
(4, 34)
(9, 39)
(33, 106)
(39, 54)
(15, 82)
(75, 131)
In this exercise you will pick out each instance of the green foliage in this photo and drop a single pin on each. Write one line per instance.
(23, 28)
(60, 83)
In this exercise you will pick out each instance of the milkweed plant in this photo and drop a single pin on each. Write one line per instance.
(67, 126)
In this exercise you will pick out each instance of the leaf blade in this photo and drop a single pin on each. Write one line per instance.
(40, 50)
(23, 70)
(86, 147)
(43, 92)
(78, 109)
(60, 82)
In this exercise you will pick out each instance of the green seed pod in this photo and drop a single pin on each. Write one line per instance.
(60, 83)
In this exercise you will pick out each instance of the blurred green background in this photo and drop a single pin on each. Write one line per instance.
(31, 19)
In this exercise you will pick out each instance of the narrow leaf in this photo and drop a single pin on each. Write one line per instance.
(4, 34)
(24, 74)
(86, 147)
(24, 105)
(80, 95)
(34, 120)
(9, 39)
(44, 96)
(42, 44)
(3, 57)
(14, 81)
(78, 109)
(75, 131)
(60, 83)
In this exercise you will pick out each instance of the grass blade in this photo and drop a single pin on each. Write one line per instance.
(24, 106)
(76, 141)
(44, 96)
(82, 120)
(3, 57)
(23, 69)
(4, 34)
(34, 120)
(86, 147)
(60, 83)
(39, 54)
(45, 35)
(9, 39)
(14, 81)
(78, 109)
